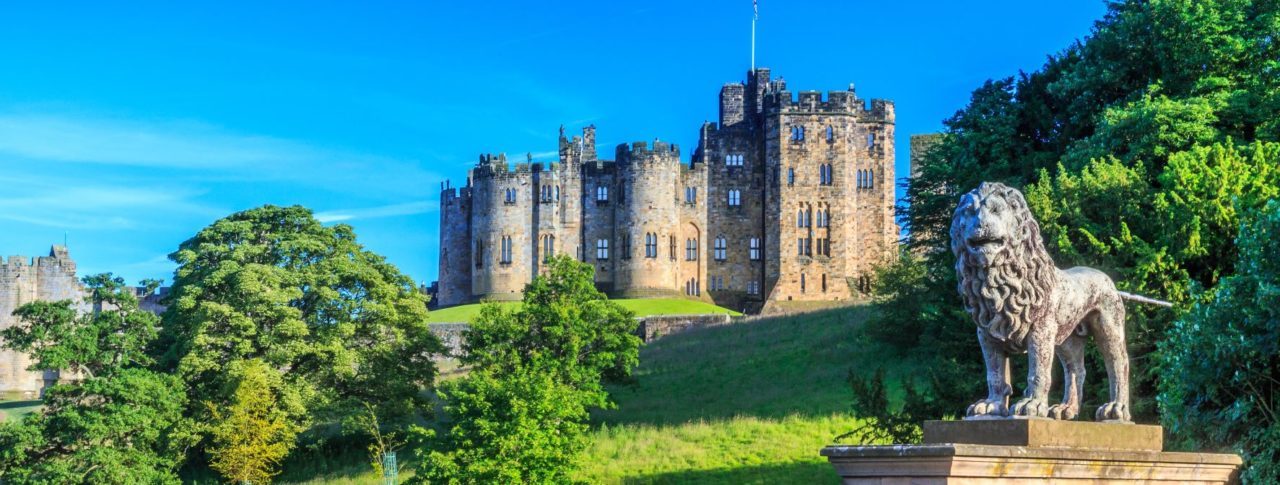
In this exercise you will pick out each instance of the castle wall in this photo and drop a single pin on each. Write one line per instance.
(495, 217)
(598, 221)
(454, 283)
(735, 170)
(23, 281)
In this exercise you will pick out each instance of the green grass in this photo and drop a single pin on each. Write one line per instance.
(642, 307)
(15, 406)
(746, 403)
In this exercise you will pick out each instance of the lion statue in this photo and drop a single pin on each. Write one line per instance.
(1023, 303)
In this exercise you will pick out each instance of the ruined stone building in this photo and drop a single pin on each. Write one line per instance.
(786, 198)
(48, 278)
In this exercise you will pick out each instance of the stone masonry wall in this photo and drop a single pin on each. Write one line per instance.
(22, 281)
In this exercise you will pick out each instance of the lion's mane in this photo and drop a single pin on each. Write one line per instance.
(1009, 297)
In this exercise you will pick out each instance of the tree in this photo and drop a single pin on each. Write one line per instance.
(122, 423)
(339, 324)
(251, 435)
(1219, 364)
(60, 337)
(126, 428)
(520, 415)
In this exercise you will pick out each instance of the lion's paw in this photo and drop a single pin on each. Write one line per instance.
(1113, 411)
(987, 407)
(1063, 412)
(1030, 407)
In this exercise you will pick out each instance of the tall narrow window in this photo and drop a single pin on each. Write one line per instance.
(557, 193)
(673, 247)
(808, 217)
(691, 249)
(548, 247)
(735, 198)
(505, 256)
(824, 282)
(791, 176)
(871, 179)
(871, 140)
(721, 249)
(799, 246)
(831, 134)
(479, 254)
(626, 246)
(755, 249)
(650, 245)
(802, 282)
(602, 249)
(800, 218)
(602, 194)
(691, 195)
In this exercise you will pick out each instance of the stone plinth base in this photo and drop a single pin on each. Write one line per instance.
(1030, 451)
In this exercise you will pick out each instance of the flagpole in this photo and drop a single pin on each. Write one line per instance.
(755, 14)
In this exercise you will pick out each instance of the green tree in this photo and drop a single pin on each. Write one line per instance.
(520, 415)
(122, 423)
(60, 337)
(1218, 386)
(341, 325)
(251, 435)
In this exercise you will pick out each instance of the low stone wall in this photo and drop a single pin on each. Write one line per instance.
(450, 334)
(650, 328)
(657, 326)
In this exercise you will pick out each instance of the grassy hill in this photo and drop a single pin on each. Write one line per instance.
(745, 403)
(642, 308)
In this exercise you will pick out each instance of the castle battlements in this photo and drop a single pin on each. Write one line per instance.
(722, 227)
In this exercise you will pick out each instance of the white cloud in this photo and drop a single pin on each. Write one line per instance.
(393, 210)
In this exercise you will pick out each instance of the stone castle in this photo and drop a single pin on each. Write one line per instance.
(787, 198)
(48, 278)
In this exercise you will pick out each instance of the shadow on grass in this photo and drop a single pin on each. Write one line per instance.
(809, 473)
(766, 368)
(19, 404)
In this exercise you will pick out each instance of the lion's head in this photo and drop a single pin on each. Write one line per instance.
(1004, 271)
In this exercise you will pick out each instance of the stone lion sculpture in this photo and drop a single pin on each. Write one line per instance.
(1023, 303)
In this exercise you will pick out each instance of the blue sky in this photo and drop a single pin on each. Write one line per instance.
(127, 129)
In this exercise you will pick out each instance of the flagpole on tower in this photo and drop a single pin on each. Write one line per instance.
(755, 14)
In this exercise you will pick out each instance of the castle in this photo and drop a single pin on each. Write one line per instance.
(785, 199)
(48, 278)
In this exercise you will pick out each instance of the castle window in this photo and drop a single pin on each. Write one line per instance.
(862, 178)
(802, 282)
(791, 176)
(797, 133)
(479, 254)
(826, 174)
(800, 218)
(721, 249)
(799, 246)
(557, 193)
(871, 179)
(733, 160)
(548, 247)
(735, 198)
(871, 140)
(755, 249)
(691, 195)
(602, 249)
(602, 194)
(824, 282)
(510, 196)
(753, 287)
(831, 134)
(650, 245)
(690, 249)
(626, 247)
(672, 240)
(505, 256)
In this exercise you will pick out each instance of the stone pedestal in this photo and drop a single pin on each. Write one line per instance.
(1009, 451)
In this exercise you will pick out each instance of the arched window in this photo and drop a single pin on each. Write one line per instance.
(602, 194)
(822, 220)
(548, 247)
(871, 179)
(721, 249)
(831, 134)
(557, 193)
(791, 176)
(871, 140)
(808, 217)
(755, 249)
(735, 198)
(800, 218)
(602, 249)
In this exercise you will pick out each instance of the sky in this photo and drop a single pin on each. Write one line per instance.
(124, 130)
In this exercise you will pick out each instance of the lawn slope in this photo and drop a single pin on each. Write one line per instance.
(746, 403)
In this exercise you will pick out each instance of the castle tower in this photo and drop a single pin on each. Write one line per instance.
(454, 283)
(648, 216)
(502, 234)
(22, 281)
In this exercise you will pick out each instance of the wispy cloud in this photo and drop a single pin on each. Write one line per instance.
(123, 142)
(393, 210)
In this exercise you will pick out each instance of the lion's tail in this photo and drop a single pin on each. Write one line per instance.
(1143, 299)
